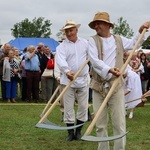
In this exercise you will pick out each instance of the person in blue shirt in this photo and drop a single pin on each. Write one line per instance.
(32, 67)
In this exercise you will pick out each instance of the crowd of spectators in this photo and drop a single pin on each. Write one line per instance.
(31, 87)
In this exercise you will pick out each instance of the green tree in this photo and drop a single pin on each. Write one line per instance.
(38, 27)
(60, 35)
(122, 28)
(146, 44)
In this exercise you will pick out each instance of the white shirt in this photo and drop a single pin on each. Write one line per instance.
(57, 72)
(109, 54)
(70, 57)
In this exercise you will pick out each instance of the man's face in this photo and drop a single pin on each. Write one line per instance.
(71, 34)
(101, 27)
(47, 51)
(7, 47)
(31, 49)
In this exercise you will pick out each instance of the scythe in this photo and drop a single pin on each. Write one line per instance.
(142, 99)
(51, 125)
(114, 85)
(46, 121)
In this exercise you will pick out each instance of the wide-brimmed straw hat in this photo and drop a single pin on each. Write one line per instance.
(70, 24)
(101, 16)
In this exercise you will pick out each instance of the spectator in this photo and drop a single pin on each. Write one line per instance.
(47, 84)
(5, 48)
(10, 68)
(132, 90)
(17, 59)
(32, 68)
(136, 64)
(145, 76)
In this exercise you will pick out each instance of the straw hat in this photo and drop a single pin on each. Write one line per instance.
(101, 16)
(70, 24)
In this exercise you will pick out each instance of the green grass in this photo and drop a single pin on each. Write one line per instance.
(18, 132)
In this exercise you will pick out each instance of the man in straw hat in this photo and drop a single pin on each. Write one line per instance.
(106, 56)
(70, 56)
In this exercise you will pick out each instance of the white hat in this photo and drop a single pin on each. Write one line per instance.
(70, 24)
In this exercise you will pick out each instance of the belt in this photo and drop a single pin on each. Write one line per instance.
(32, 71)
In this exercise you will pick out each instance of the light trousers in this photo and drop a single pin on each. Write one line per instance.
(117, 112)
(81, 95)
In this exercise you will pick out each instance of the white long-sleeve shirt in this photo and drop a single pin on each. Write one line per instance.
(70, 57)
(133, 84)
(109, 54)
(57, 72)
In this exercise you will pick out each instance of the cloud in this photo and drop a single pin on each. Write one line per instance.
(12, 12)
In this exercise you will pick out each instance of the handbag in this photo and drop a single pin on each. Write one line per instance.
(48, 73)
(50, 64)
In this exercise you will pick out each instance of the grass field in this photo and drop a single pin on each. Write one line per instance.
(18, 132)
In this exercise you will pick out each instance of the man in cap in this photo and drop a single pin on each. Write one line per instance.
(70, 56)
(106, 56)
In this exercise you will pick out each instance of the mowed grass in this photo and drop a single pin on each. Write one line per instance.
(18, 131)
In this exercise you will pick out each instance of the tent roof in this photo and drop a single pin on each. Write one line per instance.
(21, 43)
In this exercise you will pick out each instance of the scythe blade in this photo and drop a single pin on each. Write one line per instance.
(56, 127)
(44, 122)
(103, 139)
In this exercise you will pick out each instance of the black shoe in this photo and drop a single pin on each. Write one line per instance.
(70, 137)
(78, 135)
(78, 130)
(70, 132)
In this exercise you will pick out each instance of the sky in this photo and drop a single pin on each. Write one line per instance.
(135, 12)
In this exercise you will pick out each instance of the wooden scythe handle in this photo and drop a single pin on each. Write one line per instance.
(142, 99)
(133, 100)
(62, 93)
(115, 83)
(49, 102)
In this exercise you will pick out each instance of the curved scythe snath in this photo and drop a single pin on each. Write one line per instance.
(115, 83)
(44, 122)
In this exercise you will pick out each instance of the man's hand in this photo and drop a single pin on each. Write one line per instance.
(70, 75)
(145, 25)
(58, 79)
(115, 71)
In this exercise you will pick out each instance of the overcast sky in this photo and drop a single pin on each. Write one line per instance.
(136, 12)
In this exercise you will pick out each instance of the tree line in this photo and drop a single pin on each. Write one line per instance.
(39, 27)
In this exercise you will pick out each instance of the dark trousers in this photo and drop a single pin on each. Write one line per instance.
(24, 89)
(33, 79)
(3, 88)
